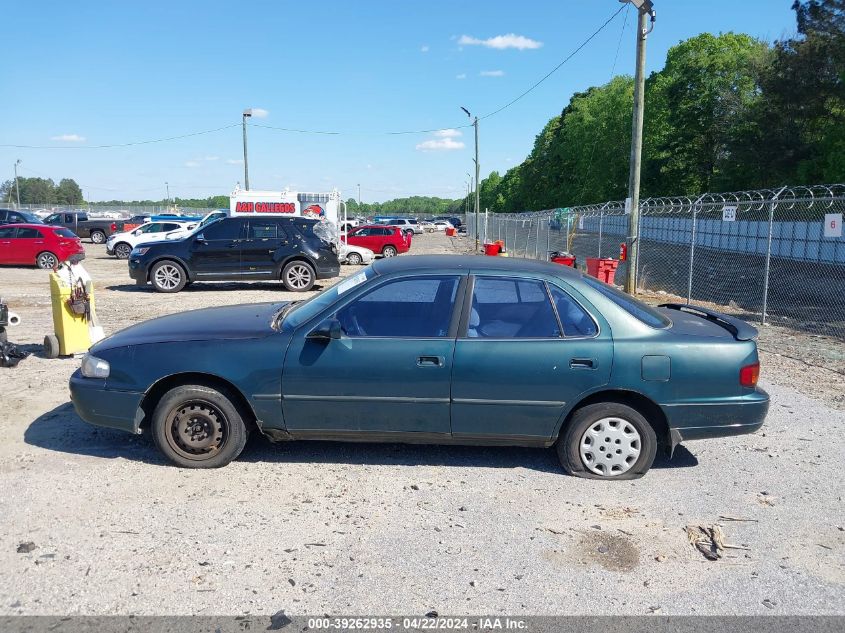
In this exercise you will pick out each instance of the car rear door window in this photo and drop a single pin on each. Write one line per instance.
(419, 307)
(264, 229)
(504, 307)
(29, 234)
(573, 318)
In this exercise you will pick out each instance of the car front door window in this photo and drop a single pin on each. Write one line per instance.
(420, 307)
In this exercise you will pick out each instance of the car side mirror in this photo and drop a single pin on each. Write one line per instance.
(326, 331)
(136, 232)
(201, 238)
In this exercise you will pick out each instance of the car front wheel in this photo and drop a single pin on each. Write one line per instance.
(298, 276)
(168, 276)
(607, 440)
(198, 427)
(354, 259)
(389, 251)
(98, 237)
(122, 250)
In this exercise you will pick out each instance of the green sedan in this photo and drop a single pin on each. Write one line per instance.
(440, 350)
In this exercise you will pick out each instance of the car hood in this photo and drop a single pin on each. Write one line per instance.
(250, 320)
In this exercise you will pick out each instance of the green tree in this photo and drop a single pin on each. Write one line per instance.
(68, 192)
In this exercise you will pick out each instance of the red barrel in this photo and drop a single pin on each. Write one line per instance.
(450, 231)
(491, 249)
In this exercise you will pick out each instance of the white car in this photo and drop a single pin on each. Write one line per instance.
(194, 227)
(442, 225)
(355, 255)
(408, 225)
(121, 244)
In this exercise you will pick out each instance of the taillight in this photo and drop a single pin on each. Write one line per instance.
(749, 375)
(113, 227)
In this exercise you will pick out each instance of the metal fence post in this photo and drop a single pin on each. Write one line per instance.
(769, 255)
(692, 247)
(601, 221)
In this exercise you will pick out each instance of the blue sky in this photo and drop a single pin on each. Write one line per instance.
(97, 73)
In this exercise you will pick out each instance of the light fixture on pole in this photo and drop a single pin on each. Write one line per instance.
(645, 10)
(477, 167)
(17, 185)
(247, 113)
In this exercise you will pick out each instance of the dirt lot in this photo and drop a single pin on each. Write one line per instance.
(318, 528)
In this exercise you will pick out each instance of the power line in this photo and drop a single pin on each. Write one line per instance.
(147, 142)
(358, 133)
(556, 68)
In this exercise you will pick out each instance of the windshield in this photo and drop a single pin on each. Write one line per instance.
(31, 218)
(634, 307)
(302, 312)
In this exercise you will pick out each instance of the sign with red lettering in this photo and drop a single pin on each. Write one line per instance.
(265, 207)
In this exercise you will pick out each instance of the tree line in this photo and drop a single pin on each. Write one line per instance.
(41, 191)
(414, 205)
(727, 112)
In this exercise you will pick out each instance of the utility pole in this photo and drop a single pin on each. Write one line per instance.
(645, 10)
(477, 169)
(17, 185)
(167, 184)
(359, 198)
(247, 113)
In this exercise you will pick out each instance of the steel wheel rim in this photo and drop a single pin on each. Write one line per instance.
(299, 276)
(168, 276)
(122, 251)
(610, 447)
(197, 430)
(98, 238)
(47, 260)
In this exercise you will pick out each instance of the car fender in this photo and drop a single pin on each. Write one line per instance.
(296, 256)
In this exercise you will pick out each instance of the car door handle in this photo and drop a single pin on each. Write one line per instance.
(583, 363)
(431, 361)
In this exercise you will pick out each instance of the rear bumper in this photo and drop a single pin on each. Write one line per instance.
(720, 419)
(101, 407)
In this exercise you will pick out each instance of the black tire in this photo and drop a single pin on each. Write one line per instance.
(168, 276)
(98, 237)
(389, 251)
(615, 419)
(198, 427)
(298, 276)
(51, 346)
(354, 259)
(121, 250)
(46, 260)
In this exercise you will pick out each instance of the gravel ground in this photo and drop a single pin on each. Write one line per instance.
(318, 528)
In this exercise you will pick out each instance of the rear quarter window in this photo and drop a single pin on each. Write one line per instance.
(64, 233)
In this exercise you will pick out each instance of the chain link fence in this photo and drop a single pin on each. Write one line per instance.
(769, 256)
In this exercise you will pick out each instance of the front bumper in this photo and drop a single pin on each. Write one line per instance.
(137, 270)
(327, 271)
(103, 407)
(700, 421)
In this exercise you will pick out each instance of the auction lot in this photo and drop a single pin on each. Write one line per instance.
(316, 528)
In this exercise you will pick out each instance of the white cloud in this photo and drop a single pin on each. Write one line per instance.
(492, 73)
(260, 113)
(235, 161)
(212, 158)
(501, 42)
(448, 133)
(461, 76)
(68, 138)
(424, 48)
(192, 163)
(440, 145)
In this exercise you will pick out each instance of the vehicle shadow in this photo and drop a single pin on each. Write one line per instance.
(63, 431)
(210, 286)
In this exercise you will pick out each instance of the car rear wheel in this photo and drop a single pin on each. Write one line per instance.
(298, 276)
(607, 440)
(122, 250)
(46, 260)
(198, 427)
(354, 259)
(98, 237)
(168, 276)
(389, 251)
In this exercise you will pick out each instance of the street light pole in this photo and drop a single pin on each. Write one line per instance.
(645, 10)
(17, 185)
(167, 184)
(359, 198)
(247, 113)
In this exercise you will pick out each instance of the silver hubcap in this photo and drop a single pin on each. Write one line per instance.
(389, 252)
(47, 261)
(299, 277)
(122, 251)
(168, 276)
(354, 259)
(97, 238)
(610, 447)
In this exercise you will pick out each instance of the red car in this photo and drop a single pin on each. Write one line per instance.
(37, 244)
(385, 240)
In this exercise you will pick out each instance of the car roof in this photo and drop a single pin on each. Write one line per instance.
(478, 263)
(25, 225)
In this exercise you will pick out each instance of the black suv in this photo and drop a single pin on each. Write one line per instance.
(240, 248)
(8, 216)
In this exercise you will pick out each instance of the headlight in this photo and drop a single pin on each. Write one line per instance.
(139, 250)
(93, 367)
